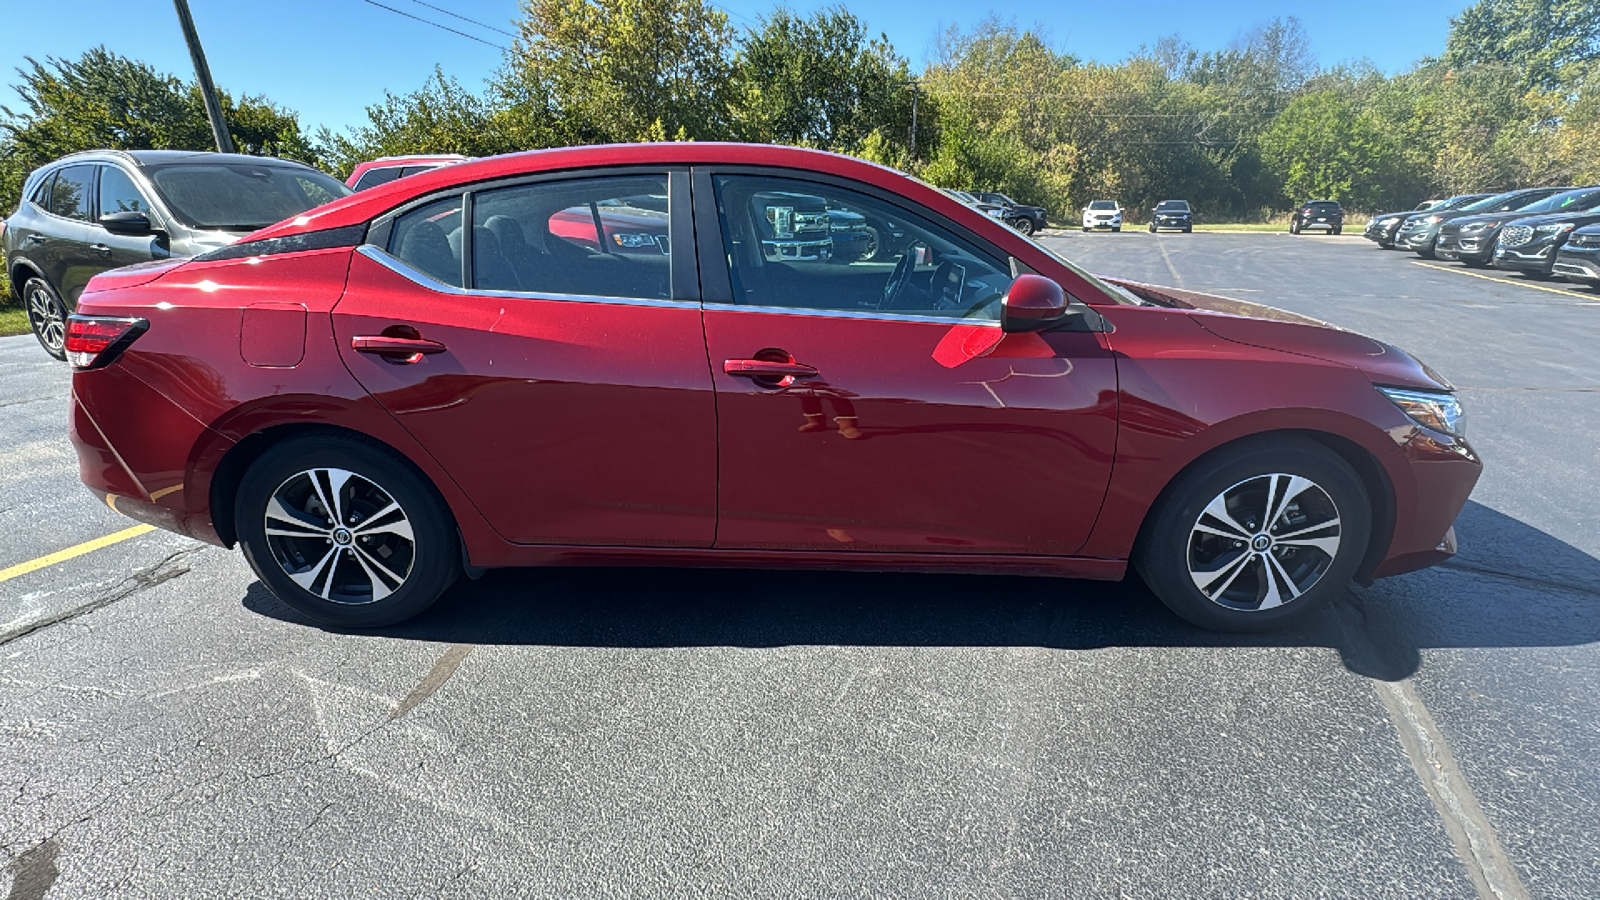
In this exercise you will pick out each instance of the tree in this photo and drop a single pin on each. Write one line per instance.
(103, 100)
(1324, 146)
(820, 82)
(1549, 42)
(439, 117)
(601, 71)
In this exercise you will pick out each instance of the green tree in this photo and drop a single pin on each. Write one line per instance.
(103, 100)
(439, 117)
(1549, 42)
(819, 81)
(1324, 146)
(601, 71)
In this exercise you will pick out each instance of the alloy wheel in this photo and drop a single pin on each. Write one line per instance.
(1263, 542)
(48, 319)
(340, 536)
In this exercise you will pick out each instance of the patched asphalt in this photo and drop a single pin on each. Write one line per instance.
(178, 732)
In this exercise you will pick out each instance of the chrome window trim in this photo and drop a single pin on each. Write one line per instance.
(422, 279)
(850, 314)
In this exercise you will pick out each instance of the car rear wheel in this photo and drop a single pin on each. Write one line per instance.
(47, 316)
(1023, 225)
(874, 243)
(1294, 227)
(1257, 538)
(1338, 229)
(344, 532)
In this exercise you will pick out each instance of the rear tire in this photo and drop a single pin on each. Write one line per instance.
(47, 316)
(1024, 225)
(1216, 554)
(382, 554)
(1294, 227)
(1338, 229)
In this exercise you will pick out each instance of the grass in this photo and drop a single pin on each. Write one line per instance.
(13, 318)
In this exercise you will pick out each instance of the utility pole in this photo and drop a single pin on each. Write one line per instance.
(202, 73)
(915, 91)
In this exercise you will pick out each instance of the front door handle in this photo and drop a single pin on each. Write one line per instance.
(35, 238)
(396, 349)
(101, 249)
(763, 368)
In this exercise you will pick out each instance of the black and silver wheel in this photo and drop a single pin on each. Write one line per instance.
(1023, 225)
(345, 533)
(874, 244)
(1257, 539)
(47, 316)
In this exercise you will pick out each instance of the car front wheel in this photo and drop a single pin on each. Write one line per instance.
(344, 532)
(1023, 225)
(1257, 538)
(47, 316)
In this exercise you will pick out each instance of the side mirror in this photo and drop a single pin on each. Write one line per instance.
(130, 223)
(1034, 303)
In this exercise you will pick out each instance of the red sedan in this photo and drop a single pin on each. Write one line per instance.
(441, 375)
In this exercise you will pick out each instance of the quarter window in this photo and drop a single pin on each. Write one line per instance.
(375, 177)
(807, 245)
(429, 240)
(604, 237)
(118, 193)
(70, 196)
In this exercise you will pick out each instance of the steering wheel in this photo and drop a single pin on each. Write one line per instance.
(902, 272)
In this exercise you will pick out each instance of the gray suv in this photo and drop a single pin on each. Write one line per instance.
(92, 211)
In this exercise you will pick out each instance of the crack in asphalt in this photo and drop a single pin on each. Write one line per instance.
(1531, 580)
(140, 581)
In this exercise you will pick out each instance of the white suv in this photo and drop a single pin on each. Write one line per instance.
(1102, 214)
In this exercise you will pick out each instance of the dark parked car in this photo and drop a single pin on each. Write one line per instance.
(1579, 258)
(92, 211)
(1471, 239)
(1024, 218)
(485, 403)
(1529, 245)
(1172, 215)
(1420, 233)
(1382, 228)
(1325, 214)
(852, 237)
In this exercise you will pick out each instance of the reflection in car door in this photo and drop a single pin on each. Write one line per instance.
(899, 433)
(566, 418)
(116, 192)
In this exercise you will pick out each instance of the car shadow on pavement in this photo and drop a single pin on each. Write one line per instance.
(1512, 585)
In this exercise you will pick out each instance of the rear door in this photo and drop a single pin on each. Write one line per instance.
(562, 381)
(71, 251)
(875, 405)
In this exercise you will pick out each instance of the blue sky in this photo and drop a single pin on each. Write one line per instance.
(329, 59)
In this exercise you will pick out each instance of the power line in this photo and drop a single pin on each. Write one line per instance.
(401, 12)
(464, 18)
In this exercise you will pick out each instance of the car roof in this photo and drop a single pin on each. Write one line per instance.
(372, 202)
(142, 158)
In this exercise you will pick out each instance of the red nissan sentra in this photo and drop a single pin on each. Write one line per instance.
(621, 356)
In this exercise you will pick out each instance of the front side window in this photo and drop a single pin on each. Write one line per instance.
(786, 250)
(428, 239)
(602, 237)
(70, 196)
(118, 193)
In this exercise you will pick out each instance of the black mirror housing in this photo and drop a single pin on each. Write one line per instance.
(130, 223)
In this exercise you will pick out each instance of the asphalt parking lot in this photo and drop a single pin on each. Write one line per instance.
(167, 729)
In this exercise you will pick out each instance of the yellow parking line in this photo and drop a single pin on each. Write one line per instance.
(64, 555)
(1538, 287)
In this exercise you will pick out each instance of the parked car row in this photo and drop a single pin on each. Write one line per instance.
(1543, 232)
(1168, 215)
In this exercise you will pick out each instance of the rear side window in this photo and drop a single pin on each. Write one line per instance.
(118, 193)
(70, 196)
(375, 177)
(428, 239)
(41, 194)
(408, 171)
(602, 237)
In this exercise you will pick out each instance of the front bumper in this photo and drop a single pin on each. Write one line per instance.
(1476, 246)
(1538, 255)
(1578, 265)
(1173, 223)
(1098, 222)
(1416, 238)
(1440, 473)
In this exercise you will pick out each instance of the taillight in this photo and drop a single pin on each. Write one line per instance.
(96, 341)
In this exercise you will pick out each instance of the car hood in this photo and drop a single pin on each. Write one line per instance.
(1484, 217)
(1258, 325)
(1583, 217)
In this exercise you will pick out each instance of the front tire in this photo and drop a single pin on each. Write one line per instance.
(1256, 538)
(343, 531)
(1024, 225)
(47, 316)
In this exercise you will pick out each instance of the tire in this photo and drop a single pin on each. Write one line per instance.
(1116, 229)
(1183, 541)
(1085, 229)
(1152, 229)
(1188, 229)
(1294, 228)
(47, 316)
(874, 244)
(338, 574)
(1338, 229)
(1023, 225)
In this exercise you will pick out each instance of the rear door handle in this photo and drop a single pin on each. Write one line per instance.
(101, 249)
(396, 349)
(762, 368)
(35, 238)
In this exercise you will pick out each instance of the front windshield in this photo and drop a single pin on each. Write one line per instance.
(1103, 204)
(1173, 206)
(242, 196)
(1583, 198)
(1489, 204)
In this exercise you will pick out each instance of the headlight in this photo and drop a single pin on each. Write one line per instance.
(1429, 220)
(1479, 226)
(1439, 411)
(1557, 228)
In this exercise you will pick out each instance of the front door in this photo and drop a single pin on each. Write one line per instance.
(118, 193)
(563, 384)
(874, 405)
